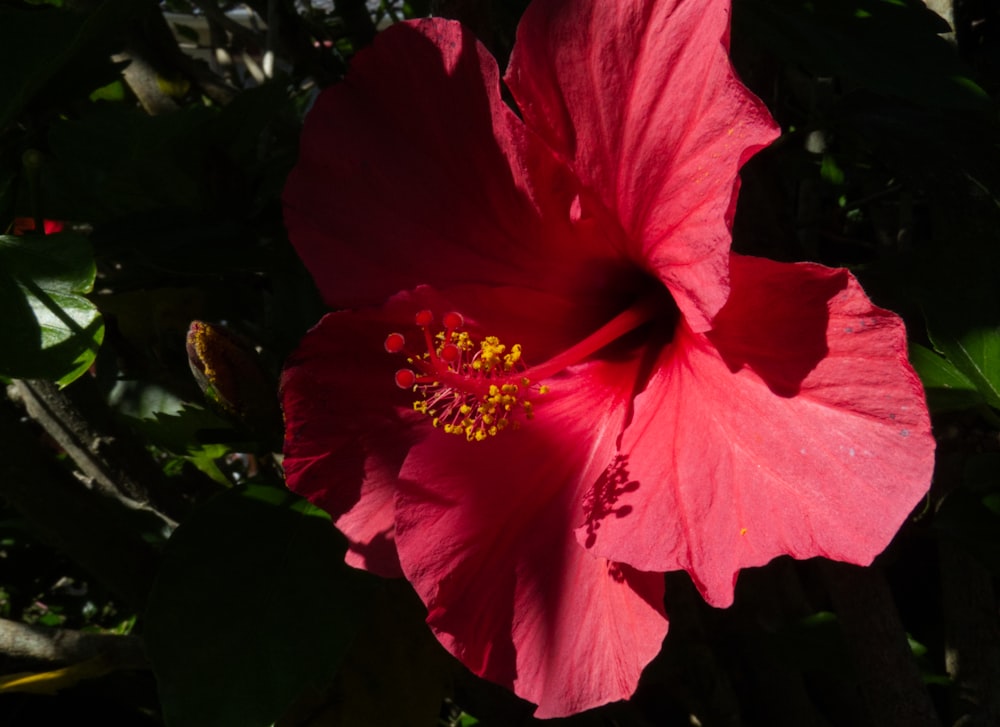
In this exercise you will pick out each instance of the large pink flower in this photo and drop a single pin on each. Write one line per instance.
(667, 406)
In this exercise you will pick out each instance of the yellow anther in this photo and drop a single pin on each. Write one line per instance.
(475, 388)
(511, 359)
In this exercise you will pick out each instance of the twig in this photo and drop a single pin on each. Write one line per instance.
(156, 37)
(111, 466)
(153, 50)
(37, 646)
(142, 78)
(69, 517)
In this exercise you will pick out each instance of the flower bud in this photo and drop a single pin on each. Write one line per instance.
(232, 377)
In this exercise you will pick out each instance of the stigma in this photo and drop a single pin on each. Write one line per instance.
(467, 387)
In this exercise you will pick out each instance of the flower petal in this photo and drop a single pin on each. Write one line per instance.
(414, 171)
(344, 444)
(795, 427)
(485, 535)
(640, 98)
(348, 427)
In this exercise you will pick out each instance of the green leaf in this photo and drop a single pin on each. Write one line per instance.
(205, 458)
(253, 605)
(976, 353)
(957, 285)
(185, 430)
(831, 172)
(114, 91)
(51, 330)
(948, 389)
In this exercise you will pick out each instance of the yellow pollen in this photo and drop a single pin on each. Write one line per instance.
(477, 388)
(467, 388)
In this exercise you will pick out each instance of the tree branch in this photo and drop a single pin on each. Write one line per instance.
(111, 464)
(32, 647)
(70, 518)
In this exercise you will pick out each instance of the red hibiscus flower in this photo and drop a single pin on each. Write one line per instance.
(549, 381)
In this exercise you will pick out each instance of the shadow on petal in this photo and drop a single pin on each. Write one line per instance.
(601, 501)
(775, 321)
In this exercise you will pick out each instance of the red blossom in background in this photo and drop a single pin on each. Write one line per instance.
(23, 225)
(675, 407)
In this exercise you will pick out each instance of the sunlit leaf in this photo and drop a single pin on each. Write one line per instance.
(976, 354)
(51, 330)
(195, 434)
(948, 389)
